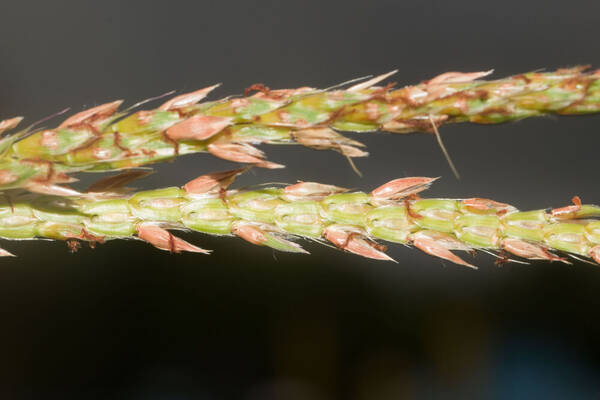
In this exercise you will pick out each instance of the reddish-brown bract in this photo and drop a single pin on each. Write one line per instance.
(595, 253)
(568, 211)
(436, 249)
(528, 250)
(92, 114)
(310, 191)
(479, 204)
(187, 99)
(241, 152)
(249, 233)
(355, 242)
(8, 124)
(212, 182)
(402, 188)
(117, 182)
(165, 240)
(198, 127)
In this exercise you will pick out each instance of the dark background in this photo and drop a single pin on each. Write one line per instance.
(126, 321)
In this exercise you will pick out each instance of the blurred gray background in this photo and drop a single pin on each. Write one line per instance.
(127, 321)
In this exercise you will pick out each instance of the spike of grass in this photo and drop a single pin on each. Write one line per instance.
(104, 138)
(274, 215)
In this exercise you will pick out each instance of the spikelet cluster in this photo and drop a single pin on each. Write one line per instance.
(274, 216)
(106, 138)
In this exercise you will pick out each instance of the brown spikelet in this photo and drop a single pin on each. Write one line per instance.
(117, 182)
(187, 99)
(164, 240)
(213, 182)
(90, 115)
(198, 127)
(9, 124)
(355, 242)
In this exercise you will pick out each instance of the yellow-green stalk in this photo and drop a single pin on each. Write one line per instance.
(273, 216)
(104, 138)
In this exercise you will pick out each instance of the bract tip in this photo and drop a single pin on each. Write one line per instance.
(371, 82)
(10, 123)
(102, 111)
(401, 188)
(164, 240)
(187, 99)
